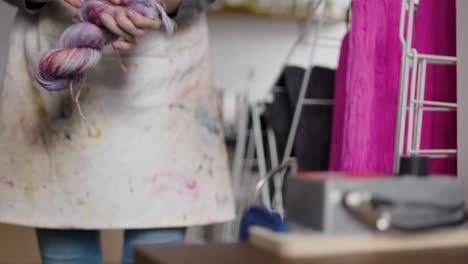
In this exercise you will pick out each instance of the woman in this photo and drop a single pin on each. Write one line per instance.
(155, 162)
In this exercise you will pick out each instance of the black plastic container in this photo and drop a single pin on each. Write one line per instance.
(414, 166)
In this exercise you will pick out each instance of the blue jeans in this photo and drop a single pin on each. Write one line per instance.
(83, 246)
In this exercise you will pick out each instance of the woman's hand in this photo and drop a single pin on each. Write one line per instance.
(74, 3)
(79, 3)
(128, 24)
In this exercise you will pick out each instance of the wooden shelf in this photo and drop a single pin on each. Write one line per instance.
(246, 12)
(266, 15)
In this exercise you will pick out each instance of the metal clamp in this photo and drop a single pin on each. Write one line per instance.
(359, 204)
(290, 163)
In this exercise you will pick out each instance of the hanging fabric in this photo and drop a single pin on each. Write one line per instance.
(367, 85)
(367, 89)
(312, 141)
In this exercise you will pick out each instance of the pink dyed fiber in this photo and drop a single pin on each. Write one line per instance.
(81, 44)
(367, 85)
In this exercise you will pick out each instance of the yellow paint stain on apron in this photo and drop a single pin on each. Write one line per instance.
(41, 112)
(97, 133)
(30, 187)
(86, 90)
(74, 147)
(80, 203)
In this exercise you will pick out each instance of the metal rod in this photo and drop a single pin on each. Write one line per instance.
(309, 101)
(250, 155)
(438, 59)
(260, 150)
(419, 108)
(241, 141)
(438, 156)
(409, 30)
(278, 194)
(451, 105)
(304, 86)
(311, 18)
(434, 151)
(404, 6)
(337, 39)
(403, 92)
(438, 109)
(414, 72)
(232, 227)
(401, 118)
(302, 35)
(272, 146)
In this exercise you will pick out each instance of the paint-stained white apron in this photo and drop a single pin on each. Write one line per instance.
(156, 156)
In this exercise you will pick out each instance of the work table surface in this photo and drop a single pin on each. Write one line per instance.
(244, 253)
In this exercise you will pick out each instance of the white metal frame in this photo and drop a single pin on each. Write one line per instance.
(412, 84)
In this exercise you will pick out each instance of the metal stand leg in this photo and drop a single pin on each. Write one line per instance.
(405, 68)
(278, 194)
(414, 74)
(239, 165)
(303, 91)
(239, 156)
(260, 150)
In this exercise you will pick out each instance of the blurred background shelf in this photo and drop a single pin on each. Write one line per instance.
(281, 9)
(244, 11)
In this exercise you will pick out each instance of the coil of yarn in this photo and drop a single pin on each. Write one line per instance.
(80, 45)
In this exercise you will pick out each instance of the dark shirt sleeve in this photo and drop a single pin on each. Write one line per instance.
(189, 10)
(26, 5)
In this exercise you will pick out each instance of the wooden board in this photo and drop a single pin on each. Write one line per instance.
(244, 253)
(294, 245)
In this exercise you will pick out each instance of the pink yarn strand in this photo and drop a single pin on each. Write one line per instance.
(120, 62)
(76, 98)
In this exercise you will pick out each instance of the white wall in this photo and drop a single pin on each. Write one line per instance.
(248, 52)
